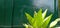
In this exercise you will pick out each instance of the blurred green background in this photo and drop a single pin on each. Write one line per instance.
(12, 12)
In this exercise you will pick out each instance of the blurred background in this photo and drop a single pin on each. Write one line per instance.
(12, 12)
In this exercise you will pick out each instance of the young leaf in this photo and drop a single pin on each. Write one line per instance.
(34, 24)
(46, 21)
(29, 18)
(39, 18)
(44, 14)
(54, 22)
(35, 14)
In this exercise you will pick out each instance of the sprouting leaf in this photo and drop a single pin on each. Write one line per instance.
(39, 14)
(34, 24)
(35, 14)
(46, 21)
(39, 18)
(44, 14)
(54, 22)
(29, 18)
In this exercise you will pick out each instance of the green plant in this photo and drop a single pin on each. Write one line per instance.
(39, 20)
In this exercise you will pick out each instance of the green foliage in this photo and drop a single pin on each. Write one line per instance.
(39, 20)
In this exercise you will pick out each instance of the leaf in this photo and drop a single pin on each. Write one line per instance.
(39, 18)
(35, 14)
(34, 21)
(46, 21)
(26, 26)
(44, 14)
(30, 18)
(54, 22)
(39, 14)
(34, 24)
